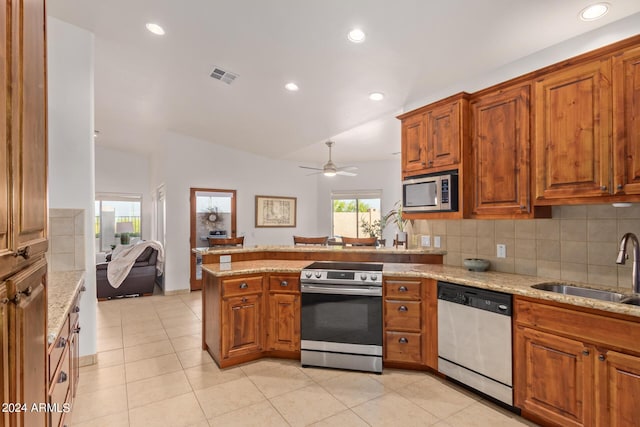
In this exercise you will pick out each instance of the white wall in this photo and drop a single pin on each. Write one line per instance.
(125, 172)
(71, 148)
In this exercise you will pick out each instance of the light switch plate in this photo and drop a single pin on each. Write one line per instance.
(436, 242)
(225, 258)
(426, 241)
(501, 251)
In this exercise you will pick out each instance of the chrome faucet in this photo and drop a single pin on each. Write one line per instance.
(622, 257)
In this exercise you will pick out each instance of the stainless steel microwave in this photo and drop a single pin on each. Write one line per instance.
(428, 193)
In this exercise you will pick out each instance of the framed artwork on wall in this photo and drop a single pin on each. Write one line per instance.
(275, 211)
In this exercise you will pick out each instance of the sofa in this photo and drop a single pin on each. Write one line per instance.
(140, 280)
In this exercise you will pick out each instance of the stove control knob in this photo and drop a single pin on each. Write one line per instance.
(363, 276)
(374, 277)
(318, 274)
(307, 274)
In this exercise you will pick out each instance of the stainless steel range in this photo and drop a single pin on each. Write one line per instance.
(341, 323)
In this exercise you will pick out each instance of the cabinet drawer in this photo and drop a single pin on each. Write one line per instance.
(402, 289)
(284, 283)
(403, 315)
(403, 347)
(57, 348)
(242, 285)
(60, 388)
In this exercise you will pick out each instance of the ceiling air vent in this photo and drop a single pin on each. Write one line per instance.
(222, 75)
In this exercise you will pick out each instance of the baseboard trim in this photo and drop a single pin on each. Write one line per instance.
(91, 359)
(177, 292)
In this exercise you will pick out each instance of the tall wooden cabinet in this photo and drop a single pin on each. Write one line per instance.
(23, 208)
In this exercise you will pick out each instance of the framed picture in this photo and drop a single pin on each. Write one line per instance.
(273, 211)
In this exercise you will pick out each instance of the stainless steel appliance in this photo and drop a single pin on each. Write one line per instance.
(341, 324)
(474, 339)
(435, 192)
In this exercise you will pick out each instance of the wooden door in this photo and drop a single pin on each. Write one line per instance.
(28, 352)
(284, 321)
(29, 128)
(617, 389)
(501, 153)
(7, 260)
(4, 352)
(572, 132)
(444, 133)
(626, 122)
(242, 330)
(414, 152)
(553, 377)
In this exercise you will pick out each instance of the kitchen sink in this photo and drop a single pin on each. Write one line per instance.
(634, 300)
(578, 291)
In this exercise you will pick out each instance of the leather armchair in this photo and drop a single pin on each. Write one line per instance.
(140, 280)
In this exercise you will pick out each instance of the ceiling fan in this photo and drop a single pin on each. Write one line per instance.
(330, 168)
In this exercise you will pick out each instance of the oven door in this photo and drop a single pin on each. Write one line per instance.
(341, 319)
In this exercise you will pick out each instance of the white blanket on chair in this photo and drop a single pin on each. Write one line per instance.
(119, 267)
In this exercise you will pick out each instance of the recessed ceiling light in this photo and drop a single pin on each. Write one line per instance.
(376, 96)
(155, 28)
(291, 86)
(594, 11)
(356, 35)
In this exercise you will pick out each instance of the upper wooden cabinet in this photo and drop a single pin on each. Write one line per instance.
(501, 154)
(626, 122)
(23, 191)
(572, 128)
(433, 136)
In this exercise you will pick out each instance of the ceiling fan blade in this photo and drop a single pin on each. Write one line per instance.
(313, 173)
(307, 167)
(348, 168)
(345, 173)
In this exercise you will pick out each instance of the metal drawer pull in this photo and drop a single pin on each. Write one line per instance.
(24, 253)
(403, 308)
(63, 377)
(402, 289)
(403, 340)
(585, 352)
(62, 342)
(77, 330)
(243, 285)
(244, 299)
(284, 283)
(83, 288)
(76, 309)
(601, 358)
(16, 299)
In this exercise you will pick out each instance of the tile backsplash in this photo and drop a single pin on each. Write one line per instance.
(579, 243)
(66, 240)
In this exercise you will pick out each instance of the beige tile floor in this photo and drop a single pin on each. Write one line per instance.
(151, 371)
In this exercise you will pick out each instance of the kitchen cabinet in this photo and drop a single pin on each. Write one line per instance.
(410, 332)
(575, 367)
(283, 324)
(572, 132)
(626, 121)
(501, 155)
(433, 136)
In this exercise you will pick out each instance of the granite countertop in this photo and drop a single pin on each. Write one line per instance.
(493, 280)
(62, 286)
(317, 248)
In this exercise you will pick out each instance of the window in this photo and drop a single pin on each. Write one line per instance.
(112, 209)
(352, 210)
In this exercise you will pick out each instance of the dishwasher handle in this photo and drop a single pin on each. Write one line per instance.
(482, 299)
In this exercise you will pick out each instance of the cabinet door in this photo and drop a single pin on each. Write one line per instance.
(27, 358)
(74, 358)
(6, 254)
(626, 122)
(444, 132)
(553, 377)
(617, 389)
(572, 130)
(414, 153)
(500, 153)
(28, 137)
(242, 330)
(4, 352)
(284, 322)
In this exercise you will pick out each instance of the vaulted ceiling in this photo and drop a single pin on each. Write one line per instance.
(146, 85)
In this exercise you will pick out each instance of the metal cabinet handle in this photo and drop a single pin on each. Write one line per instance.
(16, 299)
(77, 330)
(620, 187)
(24, 253)
(243, 285)
(402, 289)
(403, 308)
(284, 283)
(585, 352)
(76, 309)
(27, 291)
(403, 340)
(83, 288)
(601, 357)
(244, 299)
(62, 342)
(603, 188)
(63, 377)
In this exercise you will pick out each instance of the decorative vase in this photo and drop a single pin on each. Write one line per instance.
(125, 239)
(402, 236)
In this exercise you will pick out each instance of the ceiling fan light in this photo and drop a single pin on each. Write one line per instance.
(329, 173)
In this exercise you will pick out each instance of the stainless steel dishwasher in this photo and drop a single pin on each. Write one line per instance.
(474, 339)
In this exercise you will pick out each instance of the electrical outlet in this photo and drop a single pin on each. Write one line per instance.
(426, 241)
(436, 242)
(502, 251)
(225, 258)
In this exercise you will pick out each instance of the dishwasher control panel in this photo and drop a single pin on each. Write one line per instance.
(496, 302)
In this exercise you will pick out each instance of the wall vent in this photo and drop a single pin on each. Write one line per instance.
(224, 76)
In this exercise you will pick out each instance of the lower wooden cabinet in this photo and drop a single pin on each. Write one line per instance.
(575, 368)
(283, 323)
(242, 325)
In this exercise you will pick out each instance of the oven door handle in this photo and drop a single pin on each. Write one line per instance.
(342, 290)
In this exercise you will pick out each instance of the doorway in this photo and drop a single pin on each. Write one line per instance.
(213, 214)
